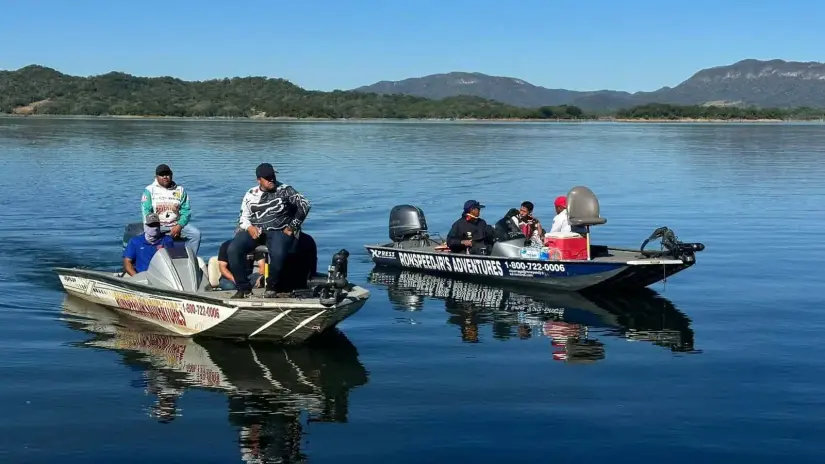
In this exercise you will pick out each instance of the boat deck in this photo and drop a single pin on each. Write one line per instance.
(257, 297)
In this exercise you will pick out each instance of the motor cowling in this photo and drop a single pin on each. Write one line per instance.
(675, 247)
(407, 221)
(331, 291)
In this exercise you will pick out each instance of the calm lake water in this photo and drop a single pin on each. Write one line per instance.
(724, 361)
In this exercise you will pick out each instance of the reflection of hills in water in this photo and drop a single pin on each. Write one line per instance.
(267, 387)
(565, 317)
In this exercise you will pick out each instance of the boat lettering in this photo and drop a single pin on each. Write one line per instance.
(204, 374)
(425, 284)
(202, 310)
(451, 264)
(154, 343)
(532, 266)
(483, 295)
(382, 254)
(433, 263)
(159, 310)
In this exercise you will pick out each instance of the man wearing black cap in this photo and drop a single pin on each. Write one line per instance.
(470, 233)
(170, 202)
(271, 213)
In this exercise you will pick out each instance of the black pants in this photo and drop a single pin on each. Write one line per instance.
(279, 245)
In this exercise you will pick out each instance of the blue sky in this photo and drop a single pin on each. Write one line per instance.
(324, 45)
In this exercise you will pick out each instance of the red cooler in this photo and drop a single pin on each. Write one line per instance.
(566, 245)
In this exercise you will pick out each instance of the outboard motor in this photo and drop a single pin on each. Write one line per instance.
(407, 222)
(678, 249)
(332, 290)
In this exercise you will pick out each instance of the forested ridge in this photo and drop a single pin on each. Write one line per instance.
(37, 90)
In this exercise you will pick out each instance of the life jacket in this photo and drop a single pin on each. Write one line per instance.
(528, 226)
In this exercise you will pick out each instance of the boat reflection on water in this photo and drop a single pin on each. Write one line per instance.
(570, 320)
(268, 387)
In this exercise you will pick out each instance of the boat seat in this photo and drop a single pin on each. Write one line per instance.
(583, 208)
(213, 272)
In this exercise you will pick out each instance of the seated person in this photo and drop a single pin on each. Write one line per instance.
(507, 228)
(300, 264)
(470, 233)
(530, 226)
(227, 281)
(561, 222)
(141, 248)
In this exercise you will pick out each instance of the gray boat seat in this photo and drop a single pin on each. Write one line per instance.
(583, 208)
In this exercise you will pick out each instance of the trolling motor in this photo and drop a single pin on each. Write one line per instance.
(677, 249)
(332, 290)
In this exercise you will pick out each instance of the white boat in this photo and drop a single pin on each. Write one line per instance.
(179, 292)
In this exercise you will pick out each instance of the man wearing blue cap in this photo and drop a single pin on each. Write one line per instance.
(470, 234)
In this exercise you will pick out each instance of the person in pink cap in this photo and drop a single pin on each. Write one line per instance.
(560, 221)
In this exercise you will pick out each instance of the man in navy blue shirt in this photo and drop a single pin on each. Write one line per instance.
(141, 248)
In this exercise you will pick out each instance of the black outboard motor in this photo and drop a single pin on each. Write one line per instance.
(407, 222)
(678, 249)
(332, 290)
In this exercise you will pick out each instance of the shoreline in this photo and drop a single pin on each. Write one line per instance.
(411, 120)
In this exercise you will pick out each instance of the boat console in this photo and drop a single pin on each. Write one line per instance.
(175, 268)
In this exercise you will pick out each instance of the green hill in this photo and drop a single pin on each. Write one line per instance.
(41, 90)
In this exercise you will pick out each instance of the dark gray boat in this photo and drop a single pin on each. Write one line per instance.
(605, 268)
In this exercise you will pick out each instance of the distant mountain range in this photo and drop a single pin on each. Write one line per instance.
(773, 83)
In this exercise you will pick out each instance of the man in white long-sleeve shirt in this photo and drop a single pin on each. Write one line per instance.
(561, 222)
(271, 212)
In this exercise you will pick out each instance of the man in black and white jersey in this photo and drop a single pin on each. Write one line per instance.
(271, 213)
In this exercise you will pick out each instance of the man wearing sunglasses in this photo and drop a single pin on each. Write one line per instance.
(271, 212)
(170, 202)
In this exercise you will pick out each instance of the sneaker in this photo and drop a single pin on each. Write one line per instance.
(270, 294)
(242, 294)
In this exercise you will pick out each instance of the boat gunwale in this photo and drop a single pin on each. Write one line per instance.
(353, 295)
(592, 261)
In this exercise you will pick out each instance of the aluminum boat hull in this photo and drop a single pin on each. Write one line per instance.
(212, 313)
(612, 269)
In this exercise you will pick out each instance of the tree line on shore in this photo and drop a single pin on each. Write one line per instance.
(40, 90)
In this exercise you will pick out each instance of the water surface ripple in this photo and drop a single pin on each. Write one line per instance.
(722, 362)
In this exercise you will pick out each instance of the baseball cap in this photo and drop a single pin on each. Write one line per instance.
(151, 218)
(470, 204)
(163, 169)
(265, 171)
(561, 201)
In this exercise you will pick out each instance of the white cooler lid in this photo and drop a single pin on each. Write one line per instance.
(562, 235)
